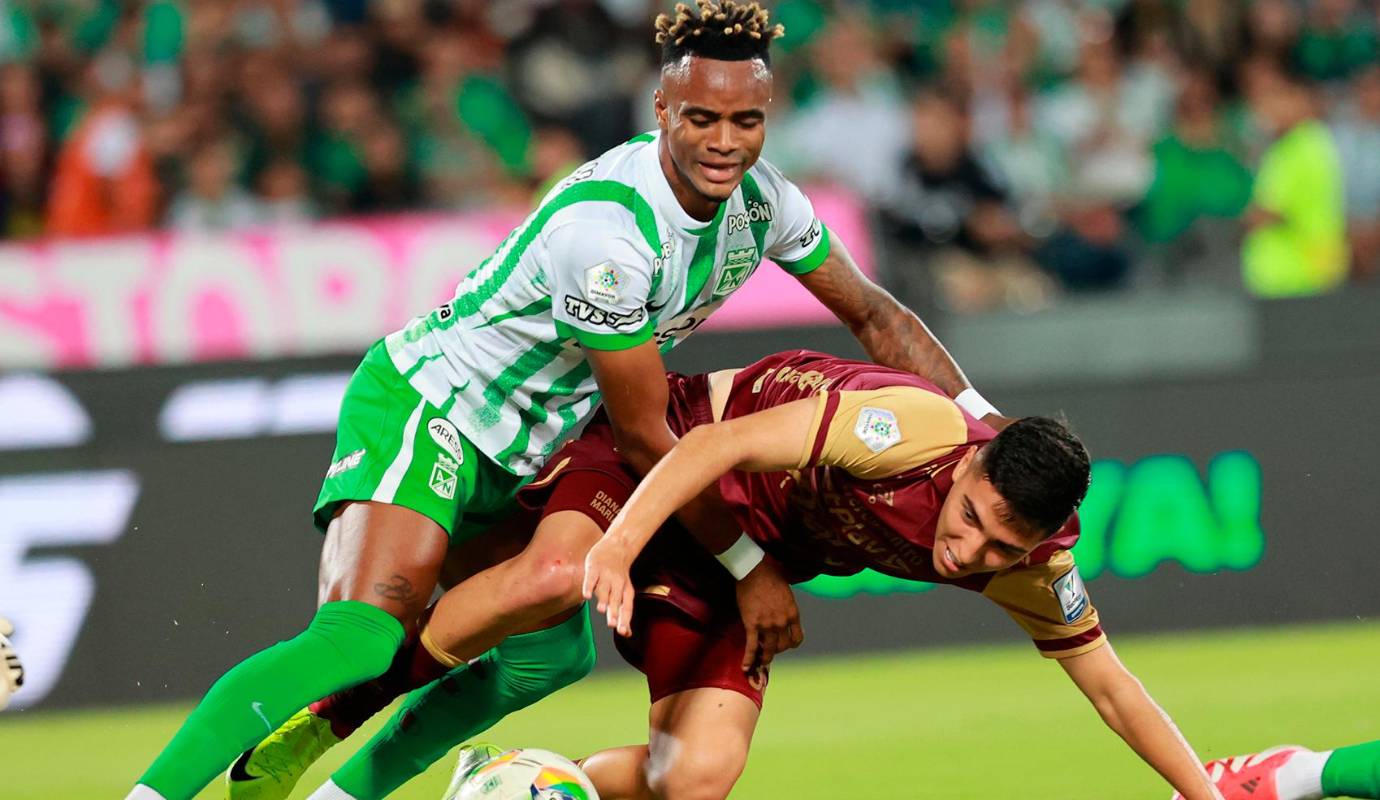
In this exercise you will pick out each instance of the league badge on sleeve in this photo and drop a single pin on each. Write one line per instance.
(877, 428)
(604, 283)
(1073, 597)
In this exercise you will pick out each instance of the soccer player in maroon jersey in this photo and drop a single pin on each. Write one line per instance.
(830, 466)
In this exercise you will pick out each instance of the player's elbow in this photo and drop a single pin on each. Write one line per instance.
(641, 444)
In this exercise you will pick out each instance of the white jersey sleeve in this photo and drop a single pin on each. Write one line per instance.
(600, 279)
(797, 241)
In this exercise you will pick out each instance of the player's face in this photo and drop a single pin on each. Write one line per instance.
(713, 118)
(971, 535)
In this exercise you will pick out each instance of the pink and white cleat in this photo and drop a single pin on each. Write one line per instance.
(1252, 777)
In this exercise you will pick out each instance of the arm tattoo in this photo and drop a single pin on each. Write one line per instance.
(891, 334)
(396, 588)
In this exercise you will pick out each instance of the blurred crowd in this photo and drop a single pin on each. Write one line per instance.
(1012, 151)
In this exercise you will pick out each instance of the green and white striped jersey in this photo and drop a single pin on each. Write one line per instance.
(607, 261)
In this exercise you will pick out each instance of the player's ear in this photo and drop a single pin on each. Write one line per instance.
(659, 106)
(965, 463)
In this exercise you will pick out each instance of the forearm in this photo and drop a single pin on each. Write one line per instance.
(679, 479)
(704, 514)
(895, 337)
(1146, 728)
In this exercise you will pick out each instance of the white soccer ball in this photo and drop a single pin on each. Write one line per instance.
(528, 774)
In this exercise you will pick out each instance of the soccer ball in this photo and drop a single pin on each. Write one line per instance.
(527, 774)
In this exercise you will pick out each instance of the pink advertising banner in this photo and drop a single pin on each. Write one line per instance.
(327, 288)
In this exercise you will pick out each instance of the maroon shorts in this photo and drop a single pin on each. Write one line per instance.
(687, 633)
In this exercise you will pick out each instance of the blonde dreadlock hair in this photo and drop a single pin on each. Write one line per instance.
(725, 30)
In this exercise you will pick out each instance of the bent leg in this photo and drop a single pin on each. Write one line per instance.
(698, 746)
(535, 589)
(378, 566)
(519, 672)
(518, 594)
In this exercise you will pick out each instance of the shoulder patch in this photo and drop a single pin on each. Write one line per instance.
(605, 283)
(1072, 596)
(447, 437)
(877, 428)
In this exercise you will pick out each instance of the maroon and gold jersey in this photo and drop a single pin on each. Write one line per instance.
(869, 485)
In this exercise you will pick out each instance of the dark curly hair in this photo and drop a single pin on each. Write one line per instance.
(1042, 471)
(723, 30)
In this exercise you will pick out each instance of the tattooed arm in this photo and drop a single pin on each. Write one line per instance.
(891, 334)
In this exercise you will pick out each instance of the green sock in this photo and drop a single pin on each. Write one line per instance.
(1353, 771)
(469, 700)
(346, 643)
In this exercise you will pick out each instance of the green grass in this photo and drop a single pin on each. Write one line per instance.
(989, 722)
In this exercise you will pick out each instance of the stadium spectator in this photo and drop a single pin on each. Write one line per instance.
(573, 66)
(1357, 131)
(858, 102)
(284, 194)
(24, 153)
(1296, 243)
(1031, 159)
(467, 105)
(1200, 185)
(955, 214)
(390, 180)
(104, 181)
(213, 201)
(1337, 38)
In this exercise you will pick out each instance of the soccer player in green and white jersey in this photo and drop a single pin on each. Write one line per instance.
(445, 419)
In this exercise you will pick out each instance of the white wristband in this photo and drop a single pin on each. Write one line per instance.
(741, 557)
(975, 404)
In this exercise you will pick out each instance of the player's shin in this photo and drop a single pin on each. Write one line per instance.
(519, 672)
(414, 666)
(346, 642)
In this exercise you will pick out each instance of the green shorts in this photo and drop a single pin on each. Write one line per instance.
(392, 446)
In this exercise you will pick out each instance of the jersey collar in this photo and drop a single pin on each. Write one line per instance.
(664, 200)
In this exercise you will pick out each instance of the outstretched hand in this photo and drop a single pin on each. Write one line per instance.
(608, 581)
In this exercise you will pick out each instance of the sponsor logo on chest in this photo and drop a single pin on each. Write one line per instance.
(756, 212)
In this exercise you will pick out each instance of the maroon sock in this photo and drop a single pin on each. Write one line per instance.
(412, 667)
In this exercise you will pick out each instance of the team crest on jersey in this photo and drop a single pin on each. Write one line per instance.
(444, 475)
(877, 428)
(447, 437)
(738, 265)
(1073, 597)
(605, 283)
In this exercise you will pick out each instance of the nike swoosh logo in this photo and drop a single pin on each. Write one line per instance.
(259, 709)
(239, 771)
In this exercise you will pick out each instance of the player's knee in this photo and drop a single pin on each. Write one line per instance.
(699, 773)
(550, 581)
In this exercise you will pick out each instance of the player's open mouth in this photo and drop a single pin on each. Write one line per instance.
(949, 561)
(719, 172)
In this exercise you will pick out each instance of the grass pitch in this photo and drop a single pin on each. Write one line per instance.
(975, 722)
